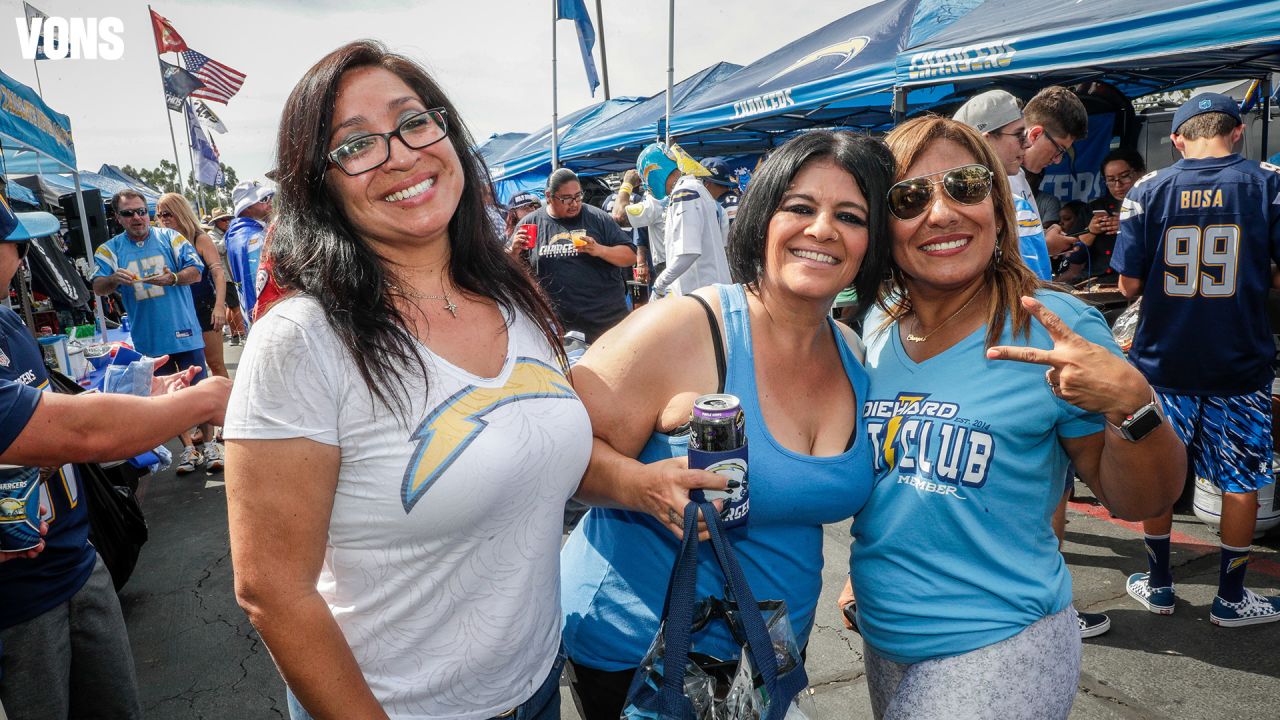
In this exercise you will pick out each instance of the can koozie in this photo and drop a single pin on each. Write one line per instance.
(19, 508)
(733, 465)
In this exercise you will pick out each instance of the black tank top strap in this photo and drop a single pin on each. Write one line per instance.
(717, 340)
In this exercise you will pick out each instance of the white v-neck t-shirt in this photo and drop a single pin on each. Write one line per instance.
(442, 561)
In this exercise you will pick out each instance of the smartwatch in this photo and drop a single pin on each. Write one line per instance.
(1141, 422)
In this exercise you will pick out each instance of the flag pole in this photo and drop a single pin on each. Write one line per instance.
(35, 64)
(168, 115)
(555, 100)
(671, 62)
(604, 56)
(195, 186)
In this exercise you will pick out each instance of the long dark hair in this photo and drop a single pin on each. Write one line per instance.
(316, 249)
(870, 163)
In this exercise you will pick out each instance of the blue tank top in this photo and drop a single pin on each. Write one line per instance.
(616, 565)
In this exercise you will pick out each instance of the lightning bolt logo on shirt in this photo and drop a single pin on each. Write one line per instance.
(451, 427)
(904, 400)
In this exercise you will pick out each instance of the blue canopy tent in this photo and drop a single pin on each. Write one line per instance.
(1140, 47)
(41, 137)
(58, 184)
(841, 75)
(1137, 48)
(115, 173)
(527, 164)
(14, 191)
(497, 145)
(628, 131)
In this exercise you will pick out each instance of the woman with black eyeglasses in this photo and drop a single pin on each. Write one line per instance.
(984, 384)
(1121, 170)
(402, 438)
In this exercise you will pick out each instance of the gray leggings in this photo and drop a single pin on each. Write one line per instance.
(1031, 675)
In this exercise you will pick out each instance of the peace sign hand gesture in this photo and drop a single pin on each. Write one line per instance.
(1084, 374)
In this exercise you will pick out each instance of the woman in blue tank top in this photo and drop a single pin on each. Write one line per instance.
(803, 234)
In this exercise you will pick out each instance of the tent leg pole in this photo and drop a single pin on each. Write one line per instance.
(1266, 117)
(899, 108)
(101, 318)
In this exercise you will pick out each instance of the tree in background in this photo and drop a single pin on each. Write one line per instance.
(165, 179)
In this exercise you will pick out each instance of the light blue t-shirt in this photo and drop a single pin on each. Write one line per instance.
(616, 565)
(954, 549)
(1031, 243)
(162, 319)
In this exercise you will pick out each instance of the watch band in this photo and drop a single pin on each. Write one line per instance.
(1129, 430)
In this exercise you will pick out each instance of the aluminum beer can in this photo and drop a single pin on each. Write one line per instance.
(19, 508)
(718, 443)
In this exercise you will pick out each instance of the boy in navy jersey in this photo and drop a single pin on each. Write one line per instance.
(1196, 241)
(63, 647)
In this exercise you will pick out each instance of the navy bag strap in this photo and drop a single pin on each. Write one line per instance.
(678, 622)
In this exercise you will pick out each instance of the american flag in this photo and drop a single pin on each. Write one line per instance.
(220, 81)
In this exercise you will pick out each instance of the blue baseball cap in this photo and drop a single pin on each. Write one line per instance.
(1206, 103)
(721, 173)
(21, 227)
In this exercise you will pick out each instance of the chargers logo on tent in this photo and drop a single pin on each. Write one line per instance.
(961, 60)
(846, 49)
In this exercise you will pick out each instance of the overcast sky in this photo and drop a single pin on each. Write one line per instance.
(492, 56)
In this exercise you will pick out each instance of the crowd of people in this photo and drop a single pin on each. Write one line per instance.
(405, 428)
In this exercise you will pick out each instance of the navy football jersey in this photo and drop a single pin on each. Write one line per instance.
(32, 587)
(1201, 236)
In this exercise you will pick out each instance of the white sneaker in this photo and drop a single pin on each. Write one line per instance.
(187, 461)
(212, 458)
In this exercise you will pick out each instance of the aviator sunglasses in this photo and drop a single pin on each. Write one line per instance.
(967, 185)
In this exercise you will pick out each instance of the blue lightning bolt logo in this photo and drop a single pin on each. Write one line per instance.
(454, 424)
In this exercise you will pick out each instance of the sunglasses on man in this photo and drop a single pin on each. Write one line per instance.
(136, 212)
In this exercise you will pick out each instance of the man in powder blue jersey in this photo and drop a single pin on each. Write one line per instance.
(246, 239)
(1196, 241)
(153, 269)
(64, 651)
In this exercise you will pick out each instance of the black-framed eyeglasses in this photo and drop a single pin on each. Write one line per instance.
(566, 199)
(367, 152)
(967, 185)
(1120, 179)
(1061, 150)
(1021, 135)
(133, 213)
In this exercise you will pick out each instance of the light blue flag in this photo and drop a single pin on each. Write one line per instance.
(576, 10)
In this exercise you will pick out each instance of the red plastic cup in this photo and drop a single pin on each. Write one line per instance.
(530, 235)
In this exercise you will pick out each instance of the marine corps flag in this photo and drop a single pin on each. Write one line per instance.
(167, 39)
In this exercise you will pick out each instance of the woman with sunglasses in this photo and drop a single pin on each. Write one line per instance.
(805, 231)
(402, 438)
(173, 211)
(984, 384)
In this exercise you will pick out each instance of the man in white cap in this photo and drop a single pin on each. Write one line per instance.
(63, 636)
(998, 117)
(245, 237)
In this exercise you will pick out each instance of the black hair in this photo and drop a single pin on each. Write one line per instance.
(316, 249)
(1129, 156)
(1081, 210)
(870, 163)
(558, 178)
